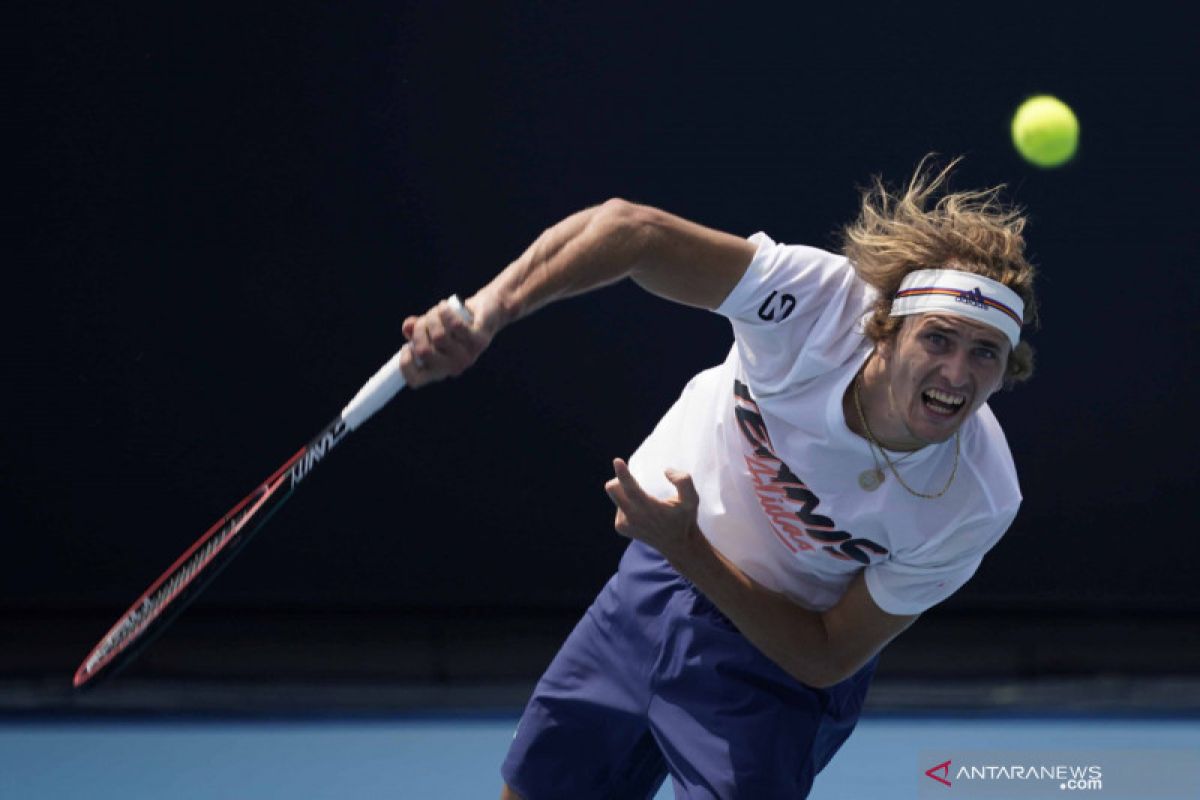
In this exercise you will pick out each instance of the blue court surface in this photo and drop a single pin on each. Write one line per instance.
(458, 756)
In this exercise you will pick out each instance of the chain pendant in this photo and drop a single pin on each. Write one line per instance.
(870, 479)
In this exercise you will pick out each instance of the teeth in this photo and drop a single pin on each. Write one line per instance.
(944, 397)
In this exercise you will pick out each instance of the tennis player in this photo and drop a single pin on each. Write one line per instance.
(799, 505)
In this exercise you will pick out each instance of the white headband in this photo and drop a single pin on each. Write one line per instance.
(963, 293)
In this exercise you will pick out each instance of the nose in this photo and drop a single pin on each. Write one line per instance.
(956, 369)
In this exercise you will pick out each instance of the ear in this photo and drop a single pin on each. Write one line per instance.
(885, 347)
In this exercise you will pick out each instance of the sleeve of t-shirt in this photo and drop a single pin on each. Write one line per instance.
(792, 313)
(905, 586)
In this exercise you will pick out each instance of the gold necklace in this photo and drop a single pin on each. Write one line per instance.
(872, 478)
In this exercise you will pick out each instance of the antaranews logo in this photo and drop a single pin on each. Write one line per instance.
(943, 768)
(1021, 774)
(1170, 773)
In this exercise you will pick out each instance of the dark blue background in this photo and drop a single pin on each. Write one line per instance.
(225, 214)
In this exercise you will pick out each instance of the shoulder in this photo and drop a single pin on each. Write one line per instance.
(796, 314)
(800, 272)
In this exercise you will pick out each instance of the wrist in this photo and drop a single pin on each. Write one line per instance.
(491, 311)
(687, 551)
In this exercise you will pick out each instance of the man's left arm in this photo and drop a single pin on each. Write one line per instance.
(817, 648)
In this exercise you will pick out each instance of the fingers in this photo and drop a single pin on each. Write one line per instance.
(413, 374)
(616, 493)
(626, 487)
(453, 324)
(622, 525)
(441, 344)
(435, 346)
(683, 484)
(628, 483)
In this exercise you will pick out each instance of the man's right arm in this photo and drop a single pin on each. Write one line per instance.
(665, 254)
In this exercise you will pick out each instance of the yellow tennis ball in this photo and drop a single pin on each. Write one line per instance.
(1045, 131)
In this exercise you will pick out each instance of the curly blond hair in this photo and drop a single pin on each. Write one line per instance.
(899, 232)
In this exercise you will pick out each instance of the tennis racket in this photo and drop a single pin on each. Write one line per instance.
(183, 581)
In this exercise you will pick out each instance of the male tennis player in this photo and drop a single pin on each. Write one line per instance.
(799, 505)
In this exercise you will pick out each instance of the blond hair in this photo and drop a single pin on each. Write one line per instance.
(899, 232)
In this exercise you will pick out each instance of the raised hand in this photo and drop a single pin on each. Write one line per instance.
(665, 525)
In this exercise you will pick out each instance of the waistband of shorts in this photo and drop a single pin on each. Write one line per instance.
(644, 560)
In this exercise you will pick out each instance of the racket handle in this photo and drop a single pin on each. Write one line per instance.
(387, 381)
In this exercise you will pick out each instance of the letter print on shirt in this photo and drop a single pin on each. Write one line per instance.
(788, 503)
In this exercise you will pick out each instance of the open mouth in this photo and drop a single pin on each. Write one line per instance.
(944, 404)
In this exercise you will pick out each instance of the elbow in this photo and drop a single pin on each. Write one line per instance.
(820, 676)
(616, 210)
(837, 667)
(632, 233)
(824, 669)
(624, 223)
(825, 679)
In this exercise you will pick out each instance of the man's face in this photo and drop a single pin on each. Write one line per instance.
(940, 369)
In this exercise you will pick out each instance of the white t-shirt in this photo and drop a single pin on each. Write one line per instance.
(765, 440)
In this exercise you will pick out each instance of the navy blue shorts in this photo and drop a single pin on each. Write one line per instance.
(655, 680)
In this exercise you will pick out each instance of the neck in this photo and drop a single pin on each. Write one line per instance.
(883, 420)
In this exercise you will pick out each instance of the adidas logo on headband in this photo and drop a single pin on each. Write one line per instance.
(973, 297)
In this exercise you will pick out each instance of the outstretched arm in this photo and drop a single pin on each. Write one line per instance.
(665, 254)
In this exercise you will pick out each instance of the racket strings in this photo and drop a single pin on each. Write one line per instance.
(140, 616)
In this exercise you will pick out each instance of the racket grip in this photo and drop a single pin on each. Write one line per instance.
(387, 381)
(375, 393)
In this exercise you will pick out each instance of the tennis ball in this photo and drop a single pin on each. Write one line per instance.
(1045, 131)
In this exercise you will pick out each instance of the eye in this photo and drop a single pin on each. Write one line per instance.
(986, 353)
(936, 339)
